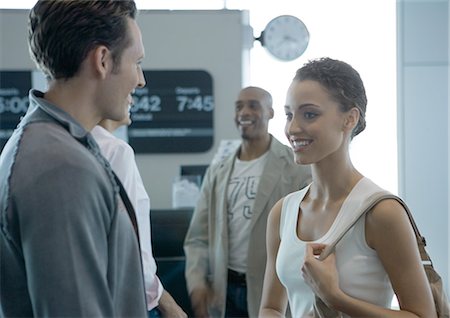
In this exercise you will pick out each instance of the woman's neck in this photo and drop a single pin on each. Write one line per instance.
(334, 179)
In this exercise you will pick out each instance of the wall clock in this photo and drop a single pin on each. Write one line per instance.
(285, 37)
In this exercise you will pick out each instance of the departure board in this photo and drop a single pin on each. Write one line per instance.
(14, 88)
(173, 113)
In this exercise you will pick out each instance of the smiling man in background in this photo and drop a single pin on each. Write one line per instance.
(225, 245)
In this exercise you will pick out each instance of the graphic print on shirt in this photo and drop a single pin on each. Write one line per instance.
(242, 196)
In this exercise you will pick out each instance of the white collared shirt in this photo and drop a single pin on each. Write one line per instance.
(122, 159)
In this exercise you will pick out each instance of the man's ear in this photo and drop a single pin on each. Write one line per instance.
(351, 119)
(102, 60)
(271, 112)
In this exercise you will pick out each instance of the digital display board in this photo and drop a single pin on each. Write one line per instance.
(14, 88)
(173, 113)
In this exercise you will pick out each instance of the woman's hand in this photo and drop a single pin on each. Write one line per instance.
(321, 276)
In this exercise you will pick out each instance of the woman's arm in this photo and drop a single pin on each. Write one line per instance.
(389, 232)
(274, 298)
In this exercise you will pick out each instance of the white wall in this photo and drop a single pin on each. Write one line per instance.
(370, 48)
(423, 86)
(13, 41)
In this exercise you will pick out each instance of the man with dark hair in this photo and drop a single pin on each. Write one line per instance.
(66, 248)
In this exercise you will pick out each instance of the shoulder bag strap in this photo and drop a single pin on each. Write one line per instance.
(421, 242)
(368, 204)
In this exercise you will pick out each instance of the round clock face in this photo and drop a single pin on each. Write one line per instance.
(285, 37)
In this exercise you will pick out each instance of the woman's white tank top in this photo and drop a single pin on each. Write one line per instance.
(361, 274)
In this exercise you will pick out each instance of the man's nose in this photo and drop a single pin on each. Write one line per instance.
(141, 82)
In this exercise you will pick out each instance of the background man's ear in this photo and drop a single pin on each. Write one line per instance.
(271, 112)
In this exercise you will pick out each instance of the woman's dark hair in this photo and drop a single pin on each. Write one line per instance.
(342, 81)
(62, 32)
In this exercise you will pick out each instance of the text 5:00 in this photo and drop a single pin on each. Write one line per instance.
(15, 104)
